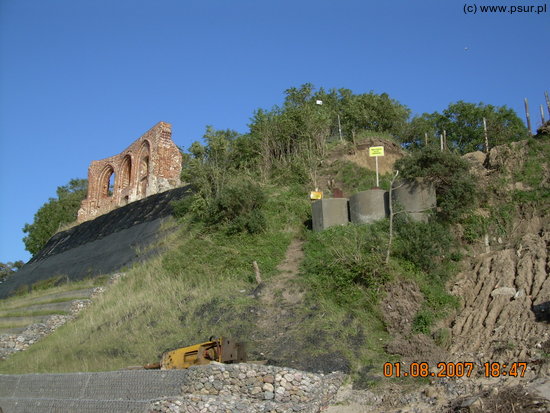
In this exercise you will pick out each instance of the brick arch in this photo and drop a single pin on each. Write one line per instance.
(143, 168)
(150, 165)
(104, 181)
(126, 173)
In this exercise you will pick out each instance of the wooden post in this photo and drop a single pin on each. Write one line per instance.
(377, 180)
(528, 117)
(486, 137)
(445, 139)
(547, 103)
(257, 272)
(542, 115)
(441, 141)
(425, 138)
(339, 128)
(391, 217)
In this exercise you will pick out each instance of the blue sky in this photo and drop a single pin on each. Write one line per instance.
(81, 79)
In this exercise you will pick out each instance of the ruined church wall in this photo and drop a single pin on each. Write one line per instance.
(150, 165)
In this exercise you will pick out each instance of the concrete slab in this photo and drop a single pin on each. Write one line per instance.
(330, 212)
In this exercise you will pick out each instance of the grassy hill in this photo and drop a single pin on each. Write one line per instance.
(327, 301)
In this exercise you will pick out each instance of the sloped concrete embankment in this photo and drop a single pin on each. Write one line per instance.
(101, 246)
(218, 388)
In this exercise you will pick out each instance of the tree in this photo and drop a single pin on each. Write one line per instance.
(225, 195)
(294, 135)
(372, 112)
(455, 187)
(9, 268)
(415, 133)
(463, 125)
(54, 213)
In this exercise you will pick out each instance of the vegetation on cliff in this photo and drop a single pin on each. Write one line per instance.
(324, 312)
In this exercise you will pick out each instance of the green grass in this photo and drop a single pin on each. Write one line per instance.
(17, 305)
(40, 296)
(198, 288)
(355, 178)
(33, 313)
(11, 324)
(201, 286)
(438, 303)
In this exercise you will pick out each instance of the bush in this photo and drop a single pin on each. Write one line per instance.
(475, 227)
(237, 208)
(341, 259)
(423, 321)
(423, 244)
(455, 187)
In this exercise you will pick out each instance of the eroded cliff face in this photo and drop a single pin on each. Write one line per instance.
(504, 293)
(504, 285)
(505, 300)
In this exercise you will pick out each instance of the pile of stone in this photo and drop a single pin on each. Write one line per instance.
(251, 388)
(12, 343)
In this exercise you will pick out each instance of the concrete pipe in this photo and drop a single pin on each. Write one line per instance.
(368, 206)
(416, 197)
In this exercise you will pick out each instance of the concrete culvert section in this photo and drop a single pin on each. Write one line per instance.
(330, 212)
(417, 198)
(368, 206)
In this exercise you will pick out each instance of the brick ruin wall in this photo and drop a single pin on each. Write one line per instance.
(150, 165)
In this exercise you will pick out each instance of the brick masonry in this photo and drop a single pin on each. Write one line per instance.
(150, 165)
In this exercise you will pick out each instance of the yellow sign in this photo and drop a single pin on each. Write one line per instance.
(316, 195)
(376, 151)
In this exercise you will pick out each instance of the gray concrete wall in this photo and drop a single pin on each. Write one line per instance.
(417, 198)
(368, 206)
(330, 212)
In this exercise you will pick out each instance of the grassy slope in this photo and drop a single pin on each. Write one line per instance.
(202, 286)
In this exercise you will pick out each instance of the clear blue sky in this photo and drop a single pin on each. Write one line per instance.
(81, 79)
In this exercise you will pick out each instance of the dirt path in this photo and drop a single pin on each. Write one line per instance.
(278, 301)
(282, 289)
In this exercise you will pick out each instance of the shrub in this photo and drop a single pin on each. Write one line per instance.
(475, 227)
(455, 187)
(423, 321)
(237, 208)
(341, 259)
(423, 244)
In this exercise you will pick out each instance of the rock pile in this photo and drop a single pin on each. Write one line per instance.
(12, 343)
(249, 388)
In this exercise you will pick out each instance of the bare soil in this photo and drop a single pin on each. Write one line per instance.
(401, 303)
(505, 301)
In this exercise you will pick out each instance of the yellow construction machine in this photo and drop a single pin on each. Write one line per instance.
(222, 350)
